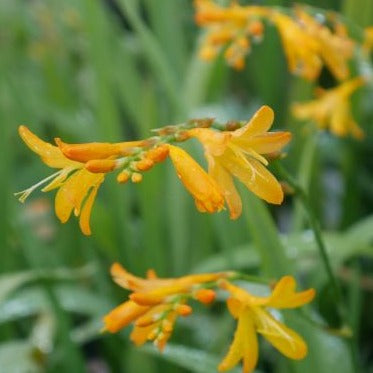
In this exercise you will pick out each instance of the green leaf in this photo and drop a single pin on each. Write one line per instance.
(17, 357)
(33, 300)
(188, 358)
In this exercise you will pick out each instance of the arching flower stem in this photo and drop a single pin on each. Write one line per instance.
(315, 226)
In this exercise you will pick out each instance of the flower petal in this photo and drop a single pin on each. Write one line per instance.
(260, 123)
(267, 143)
(50, 154)
(96, 150)
(140, 334)
(85, 214)
(288, 342)
(285, 296)
(244, 346)
(71, 194)
(123, 315)
(254, 175)
(201, 186)
(226, 184)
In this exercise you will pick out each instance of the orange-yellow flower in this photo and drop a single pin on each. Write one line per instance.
(368, 39)
(333, 109)
(301, 49)
(207, 194)
(240, 153)
(77, 187)
(155, 303)
(233, 26)
(335, 49)
(253, 318)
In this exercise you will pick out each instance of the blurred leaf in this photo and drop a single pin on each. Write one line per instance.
(33, 300)
(17, 357)
(11, 281)
(188, 358)
(327, 353)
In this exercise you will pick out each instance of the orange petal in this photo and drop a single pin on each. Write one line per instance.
(267, 143)
(235, 307)
(260, 123)
(285, 296)
(206, 193)
(288, 342)
(213, 141)
(85, 214)
(244, 346)
(226, 184)
(153, 315)
(254, 175)
(157, 296)
(127, 280)
(71, 194)
(96, 150)
(123, 315)
(51, 155)
(141, 334)
(242, 296)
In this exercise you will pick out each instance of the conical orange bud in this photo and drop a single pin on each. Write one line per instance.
(184, 310)
(136, 177)
(101, 165)
(158, 154)
(144, 164)
(205, 296)
(123, 177)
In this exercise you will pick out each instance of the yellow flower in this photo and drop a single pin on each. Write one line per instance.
(77, 187)
(155, 303)
(335, 49)
(206, 193)
(333, 109)
(368, 39)
(232, 27)
(301, 49)
(253, 318)
(239, 153)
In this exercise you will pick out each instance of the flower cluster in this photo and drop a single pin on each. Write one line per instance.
(240, 153)
(155, 304)
(309, 42)
(332, 108)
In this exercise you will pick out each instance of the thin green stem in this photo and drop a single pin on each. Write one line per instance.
(315, 226)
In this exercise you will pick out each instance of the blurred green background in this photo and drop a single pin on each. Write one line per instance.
(90, 70)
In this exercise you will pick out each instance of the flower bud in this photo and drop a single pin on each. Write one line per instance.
(101, 165)
(184, 310)
(205, 296)
(158, 154)
(123, 177)
(144, 164)
(136, 177)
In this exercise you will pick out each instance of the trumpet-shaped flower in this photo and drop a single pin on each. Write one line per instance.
(333, 109)
(301, 49)
(252, 318)
(155, 303)
(77, 187)
(335, 49)
(240, 153)
(207, 194)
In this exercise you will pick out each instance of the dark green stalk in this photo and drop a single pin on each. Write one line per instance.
(315, 226)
